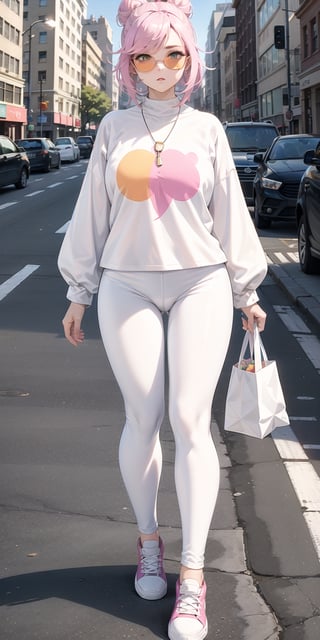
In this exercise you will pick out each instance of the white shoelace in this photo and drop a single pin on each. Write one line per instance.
(189, 603)
(150, 561)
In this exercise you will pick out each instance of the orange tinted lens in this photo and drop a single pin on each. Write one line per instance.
(174, 63)
(144, 64)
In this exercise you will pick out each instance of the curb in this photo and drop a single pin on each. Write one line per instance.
(297, 293)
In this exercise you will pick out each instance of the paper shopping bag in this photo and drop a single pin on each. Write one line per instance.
(255, 404)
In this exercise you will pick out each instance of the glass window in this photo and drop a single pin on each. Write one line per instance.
(305, 42)
(314, 35)
(43, 37)
(43, 3)
(42, 56)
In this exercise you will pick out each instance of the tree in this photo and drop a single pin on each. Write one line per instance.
(94, 105)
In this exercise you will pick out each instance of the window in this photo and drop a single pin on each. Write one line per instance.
(43, 3)
(43, 37)
(42, 56)
(314, 35)
(42, 76)
(305, 42)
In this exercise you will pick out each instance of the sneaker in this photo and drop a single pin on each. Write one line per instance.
(188, 620)
(150, 581)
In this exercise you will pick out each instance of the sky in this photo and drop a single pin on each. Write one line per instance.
(202, 10)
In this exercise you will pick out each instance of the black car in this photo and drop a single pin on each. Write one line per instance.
(85, 144)
(42, 153)
(308, 214)
(14, 164)
(277, 180)
(246, 139)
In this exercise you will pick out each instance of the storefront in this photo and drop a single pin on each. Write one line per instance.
(13, 119)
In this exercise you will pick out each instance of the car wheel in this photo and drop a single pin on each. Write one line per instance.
(260, 222)
(48, 167)
(59, 163)
(23, 179)
(308, 263)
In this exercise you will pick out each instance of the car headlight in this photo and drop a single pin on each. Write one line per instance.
(270, 184)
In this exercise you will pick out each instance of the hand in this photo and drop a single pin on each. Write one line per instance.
(253, 315)
(72, 323)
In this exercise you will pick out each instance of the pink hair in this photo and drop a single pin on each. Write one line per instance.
(145, 28)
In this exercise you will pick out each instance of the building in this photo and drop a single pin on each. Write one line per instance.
(220, 44)
(308, 14)
(278, 68)
(52, 65)
(101, 33)
(13, 115)
(93, 70)
(246, 65)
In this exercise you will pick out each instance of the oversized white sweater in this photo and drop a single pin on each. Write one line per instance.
(134, 216)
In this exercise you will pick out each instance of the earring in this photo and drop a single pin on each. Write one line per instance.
(141, 89)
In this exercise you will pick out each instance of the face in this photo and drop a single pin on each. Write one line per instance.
(162, 69)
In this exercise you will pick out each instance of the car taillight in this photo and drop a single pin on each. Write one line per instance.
(44, 152)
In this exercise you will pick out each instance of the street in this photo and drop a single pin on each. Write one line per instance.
(67, 529)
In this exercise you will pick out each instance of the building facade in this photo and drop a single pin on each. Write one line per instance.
(52, 66)
(101, 33)
(13, 115)
(246, 64)
(308, 14)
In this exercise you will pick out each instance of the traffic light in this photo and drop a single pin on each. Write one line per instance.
(279, 37)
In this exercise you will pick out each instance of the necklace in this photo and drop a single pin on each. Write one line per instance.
(159, 144)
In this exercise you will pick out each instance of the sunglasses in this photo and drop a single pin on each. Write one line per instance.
(175, 60)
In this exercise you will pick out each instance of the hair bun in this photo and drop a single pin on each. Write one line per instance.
(127, 7)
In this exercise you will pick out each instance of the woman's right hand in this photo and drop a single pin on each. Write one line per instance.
(72, 323)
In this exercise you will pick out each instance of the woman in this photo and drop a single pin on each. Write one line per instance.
(161, 226)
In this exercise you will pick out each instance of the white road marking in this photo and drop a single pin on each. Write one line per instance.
(291, 319)
(305, 398)
(55, 184)
(311, 347)
(7, 204)
(281, 257)
(304, 479)
(288, 445)
(10, 284)
(294, 255)
(268, 259)
(311, 446)
(72, 177)
(303, 419)
(64, 228)
(35, 193)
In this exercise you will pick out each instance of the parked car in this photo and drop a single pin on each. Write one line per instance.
(308, 214)
(69, 150)
(41, 152)
(278, 176)
(85, 144)
(246, 139)
(14, 164)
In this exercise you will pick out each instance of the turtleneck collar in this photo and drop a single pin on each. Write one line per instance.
(161, 110)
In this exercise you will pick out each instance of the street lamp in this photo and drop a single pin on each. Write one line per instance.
(49, 23)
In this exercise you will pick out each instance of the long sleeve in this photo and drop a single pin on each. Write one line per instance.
(234, 229)
(86, 236)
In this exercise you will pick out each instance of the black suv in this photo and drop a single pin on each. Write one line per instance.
(308, 214)
(246, 139)
(85, 144)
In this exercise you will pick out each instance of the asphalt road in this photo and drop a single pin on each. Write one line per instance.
(67, 534)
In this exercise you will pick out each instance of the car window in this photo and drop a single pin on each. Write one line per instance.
(63, 141)
(292, 149)
(250, 138)
(31, 144)
(7, 146)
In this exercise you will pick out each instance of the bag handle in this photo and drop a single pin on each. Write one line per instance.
(256, 348)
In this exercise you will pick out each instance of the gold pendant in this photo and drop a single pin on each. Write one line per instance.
(158, 147)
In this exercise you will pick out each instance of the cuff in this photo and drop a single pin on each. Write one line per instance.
(80, 295)
(245, 299)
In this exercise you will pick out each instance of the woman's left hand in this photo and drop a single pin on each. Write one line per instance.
(253, 315)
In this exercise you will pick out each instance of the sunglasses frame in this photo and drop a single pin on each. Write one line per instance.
(179, 64)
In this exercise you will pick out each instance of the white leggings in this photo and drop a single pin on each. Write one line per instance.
(130, 308)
